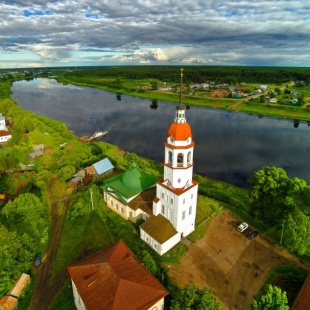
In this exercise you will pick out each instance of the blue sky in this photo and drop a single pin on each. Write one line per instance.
(43, 33)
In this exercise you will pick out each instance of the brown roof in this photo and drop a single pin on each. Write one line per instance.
(303, 298)
(115, 279)
(4, 133)
(159, 228)
(19, 285)
(144, 201)
(8, 303)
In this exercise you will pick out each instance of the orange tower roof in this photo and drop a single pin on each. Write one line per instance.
(180, 131)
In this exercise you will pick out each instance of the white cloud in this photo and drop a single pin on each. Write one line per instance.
(162, 31)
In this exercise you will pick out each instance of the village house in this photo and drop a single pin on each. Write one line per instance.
(10, 300)
(102, 167)
(5, 134)
(38, 150)
(114, 278)
(302, 300)
(77, 179)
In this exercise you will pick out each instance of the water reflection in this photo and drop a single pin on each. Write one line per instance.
(229, 146)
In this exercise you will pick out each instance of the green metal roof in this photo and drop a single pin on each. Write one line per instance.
(130, 183)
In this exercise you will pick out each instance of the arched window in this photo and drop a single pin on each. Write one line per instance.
(170, 158)
(180, 160)
(189, 158)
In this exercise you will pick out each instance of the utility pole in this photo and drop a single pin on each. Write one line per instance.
(162, 274)
(282, 233)
(91, 199)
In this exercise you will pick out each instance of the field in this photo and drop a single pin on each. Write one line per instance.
(232, 266)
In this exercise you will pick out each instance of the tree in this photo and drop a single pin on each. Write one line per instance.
(273, 298)
(268, 191)
(297, 233)
(27, 214)
(15, 257)
(278, 91)
(191, 297)
(262, 99)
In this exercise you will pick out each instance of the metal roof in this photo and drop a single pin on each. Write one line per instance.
(103, 166)
(115, 279)
(130, 183)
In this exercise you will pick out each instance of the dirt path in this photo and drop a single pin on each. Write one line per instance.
(229, 264)
(44, 290)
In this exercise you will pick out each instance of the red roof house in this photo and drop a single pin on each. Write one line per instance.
(115, 279)
(302, 302)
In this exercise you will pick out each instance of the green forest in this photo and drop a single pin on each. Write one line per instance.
(200, 74)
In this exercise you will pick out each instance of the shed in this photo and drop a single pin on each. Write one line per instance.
(103, 166)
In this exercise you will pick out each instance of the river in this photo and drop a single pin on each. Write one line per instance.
(230, 146)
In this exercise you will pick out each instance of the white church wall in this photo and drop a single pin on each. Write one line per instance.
(156, 246)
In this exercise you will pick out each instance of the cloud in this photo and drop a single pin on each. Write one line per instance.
(157, 32)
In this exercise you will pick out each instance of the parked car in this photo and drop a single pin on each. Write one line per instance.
(253, 234)
(242, 227)
(37, 260)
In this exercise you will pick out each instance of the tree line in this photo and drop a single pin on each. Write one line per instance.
(199, 74)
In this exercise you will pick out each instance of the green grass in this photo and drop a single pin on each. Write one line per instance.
(84, 234)
(206, 209)
(64, 299)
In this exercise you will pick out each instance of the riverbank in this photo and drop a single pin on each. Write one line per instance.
(301, 113)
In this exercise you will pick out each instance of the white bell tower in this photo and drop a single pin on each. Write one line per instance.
(176, 194)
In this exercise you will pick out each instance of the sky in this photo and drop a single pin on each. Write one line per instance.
(42, 33)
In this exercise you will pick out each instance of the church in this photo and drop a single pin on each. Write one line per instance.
(172, 212)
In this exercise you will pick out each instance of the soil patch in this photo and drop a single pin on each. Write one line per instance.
(232, 266)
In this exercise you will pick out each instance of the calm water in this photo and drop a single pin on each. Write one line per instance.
(229, 146)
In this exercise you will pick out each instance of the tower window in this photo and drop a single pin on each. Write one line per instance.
(189, 158)
(180, 160)
(183, 201)
(163, 209)
(183, 215)
(171, 200)
(162, 195)
(170, 158)
(190, 210)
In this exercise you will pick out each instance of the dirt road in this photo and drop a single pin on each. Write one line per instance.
(229, 264)
(45, 290)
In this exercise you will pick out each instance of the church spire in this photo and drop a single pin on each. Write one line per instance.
(180, 113)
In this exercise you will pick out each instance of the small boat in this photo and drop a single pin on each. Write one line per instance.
(98, 134)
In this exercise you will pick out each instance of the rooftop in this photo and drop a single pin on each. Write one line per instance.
(115, 279)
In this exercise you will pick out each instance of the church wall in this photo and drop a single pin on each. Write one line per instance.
(124, 210)
(156, 246)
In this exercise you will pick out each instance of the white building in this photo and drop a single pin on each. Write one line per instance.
(2, 122)
(114, 279)
(5, 134)
(175, 204)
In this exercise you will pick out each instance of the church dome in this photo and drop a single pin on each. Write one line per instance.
(132, 178)
(180, 131)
